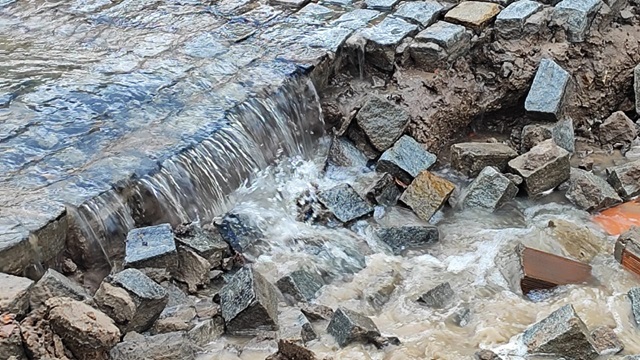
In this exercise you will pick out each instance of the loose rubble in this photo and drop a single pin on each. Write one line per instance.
(617, 129)
(543, 168)
(625, 179)
(590, 192)
(301, 285)
(427, 194)
(53, 284)
(490, 190)
(405, 159)
(348, 326)
(15, 294)
(471, 158)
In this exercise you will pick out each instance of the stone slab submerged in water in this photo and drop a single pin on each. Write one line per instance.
(547, 93)
(401, 238)
(439, 297)
(302, 285)
(348, 326)
(344, 203)
(239, 230)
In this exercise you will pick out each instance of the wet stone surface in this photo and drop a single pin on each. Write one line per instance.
(152, 246)
(423, 13)
(406, 159)
(547, 92)
(345, 203)
(510, 22)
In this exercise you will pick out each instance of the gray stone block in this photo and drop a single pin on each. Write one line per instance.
(348, 326)
(53, 284)
(290, 3)
(422, 13)
(563, 135)
(380, 189)
(625, 179)
(401, 238)
(301, 285)
(249, 304)
(206, 243)
(382, 40)
(452, 38)
(14, 297)
(575, 17)
(356, 19)
(617, 129)
(384, 5)
(562, 334)
(634, 298)
(547, 92)
(543, 168)
(510, 22)
(345, 154)
(406, 159)
(589, 192)
(382, 121)
(439, 297)
(344, 203)
(636, 87)
(490, 190)
(175, 345)
(470, 158)
(561, 132)
(240, 231)
(152, 247)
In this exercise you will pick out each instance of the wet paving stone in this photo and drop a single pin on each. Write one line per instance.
(382, 40)
(423, 13)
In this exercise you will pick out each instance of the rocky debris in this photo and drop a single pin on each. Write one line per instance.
(344, 153)
(379, 291)
(561, 133)
(87, 332)
(53, 284)
(461, 317)
(636, 87)
(528, 269)
(439, 297)
(510, 22)
(344, 203)
(406, 159)
(605, 341)
(115, 302)
(289, 350)
(14, 297)
(422, 13)
(205, 242)
(298, 328)
(68, 267)
(490, 190)
(486, 355)
(205, 308)
(380, 51)
(193, 269)
(625, 179)
(249, 304)
(382, 121)
(547, 93)
(171, 346)
(589, 192)
(348, 326)
(301, 285)
(40, 342)
(296, 4)
(316, 312)
(401, 238)
(562, 333)
(627, 250)
(206, 331)
(439, 44)
(10, 338)
(240, 231)
(575, 17)
(474, 14)
(379, 188)
(427, 194)
(151, 247)
(471, 158)
(617, 129)
(543, 168)
(176, 318)
(149, 298)
(384, 5)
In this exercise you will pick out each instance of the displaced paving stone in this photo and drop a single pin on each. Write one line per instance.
(151, 247)
(562, 333)
(427, 194)
(205, 242)
(490, 190)
(406, 159)
(169, 346)
(382, 121)
(316, 312)
(356, 18)
(471, 158)
(295, 326)
(87, 332)
(627, 250)
(474, 14)
(547, 93)
(636, 87)
(561, 133)
(176, 318)
(422, 13)
(384, 5)
(543, 168)
(634, 298)
(605, 341)
(510, 22)
(149, 297)
(116, 303)
(344, 203)
(240, 231)
(249, 304)
(53, 284)
(439, 297)
(439, 44)
(380, 50)
(625, 179)
(401, 238)
(301, 285)
(589, 192)
(192, 270)
(10, 338)
(348, 326)
(344, 153)
(14, 297)
(617, 128)
(378, 188)
(206, 331)
(575, 17)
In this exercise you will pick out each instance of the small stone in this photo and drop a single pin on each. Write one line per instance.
(625, 179)
(636, 87)
(53, 284)
(169, 346)
(510, 22)
(152, 247)
(380, 51)
(249, 304)
(177, 318)
(345, 154)
(547, 92)
(461, 317)
(563, 135)
(562, 333)
(69, 267)
(474, 14)
(490, 190)
(471, 158)
(575, 17)
(205, 242)
(617, 128)
(401, 238)
(427, 194)
(240, 231)
(406, 159)
(590, 192)
(383, 5)
(296, 327)
(634, 298)
(627, 250)
(486, 355)
(423, 13)
(10, 338)
(116, 303)
(439, 297)
(192, 270)
(87, 332)
(382, 121)
(605, 341)
(348, 326)
(380, 290)
(206, 331)
(301, 285)
(378, 188)
(344, 203)
(315, 312)
(543, 168)
(296, 4)
(14, 297)
(205, 308)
